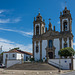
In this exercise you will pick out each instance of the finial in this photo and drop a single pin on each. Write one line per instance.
(49, 20)
(34, 18)
(54, 28)
(46, 29)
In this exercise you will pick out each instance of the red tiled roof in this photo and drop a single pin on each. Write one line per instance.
(18, 51)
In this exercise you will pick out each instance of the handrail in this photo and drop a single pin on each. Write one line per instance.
(56, 63)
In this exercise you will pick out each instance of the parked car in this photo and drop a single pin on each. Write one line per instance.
(2, 66)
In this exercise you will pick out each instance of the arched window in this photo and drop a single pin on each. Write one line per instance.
(65, 26)
(50, 43)
(37, 30)
(37, 49)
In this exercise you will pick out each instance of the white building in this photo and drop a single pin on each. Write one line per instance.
(47, 41)
(16, 55)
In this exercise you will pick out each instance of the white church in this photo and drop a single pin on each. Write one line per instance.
(47, 41)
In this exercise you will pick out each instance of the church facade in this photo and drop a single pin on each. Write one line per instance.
(47, 41)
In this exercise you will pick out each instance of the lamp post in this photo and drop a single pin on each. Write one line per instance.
(59, 65)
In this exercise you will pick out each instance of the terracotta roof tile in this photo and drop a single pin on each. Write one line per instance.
(18, 51)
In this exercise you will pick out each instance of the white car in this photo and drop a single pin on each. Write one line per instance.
(2, 66)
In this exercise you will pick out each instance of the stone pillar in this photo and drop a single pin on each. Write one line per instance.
(69, 42)
(40, 49)
(6, 62)
(33, 49)
(34, 29)
(60, 43)
(72, 63)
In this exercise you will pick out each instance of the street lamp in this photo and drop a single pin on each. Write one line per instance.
(59, 65)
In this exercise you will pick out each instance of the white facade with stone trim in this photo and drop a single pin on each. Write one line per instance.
(47, 41)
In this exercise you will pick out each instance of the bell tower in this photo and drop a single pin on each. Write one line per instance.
(65, 21)
(39, 25)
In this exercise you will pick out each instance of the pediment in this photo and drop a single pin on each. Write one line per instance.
(50, 33)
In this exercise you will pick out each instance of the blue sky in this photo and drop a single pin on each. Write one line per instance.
(16, 20)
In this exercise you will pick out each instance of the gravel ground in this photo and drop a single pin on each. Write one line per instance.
(27, 72)
(30, 72)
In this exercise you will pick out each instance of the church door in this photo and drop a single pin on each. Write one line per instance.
(50, 54)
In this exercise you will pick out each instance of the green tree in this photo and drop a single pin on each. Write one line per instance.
(68, 51)
(17, 48)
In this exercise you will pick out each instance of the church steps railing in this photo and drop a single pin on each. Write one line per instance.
(55, 64)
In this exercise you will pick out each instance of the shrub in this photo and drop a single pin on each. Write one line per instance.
(68, 51)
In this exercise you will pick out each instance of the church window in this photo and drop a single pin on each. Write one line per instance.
(50, 43)
(37, 50)
(65, 26)
(65, 45)
(37, 30)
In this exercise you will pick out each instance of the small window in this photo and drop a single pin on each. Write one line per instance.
(37, 30)
(13, 55)
(65, 45)
(37, 50)
(26, 58)
(6, 55)
(65, 26)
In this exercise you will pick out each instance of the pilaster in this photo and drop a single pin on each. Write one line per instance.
(40, 49)
(60, 43)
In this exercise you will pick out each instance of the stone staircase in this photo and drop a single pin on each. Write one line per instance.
(33, 66)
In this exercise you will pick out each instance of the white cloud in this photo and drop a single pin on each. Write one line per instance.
(28, 34)
(16, 20)
(74, 44)
(7, 45)
(4, 20)
(10, 20)
(1, 11)
(58, 22)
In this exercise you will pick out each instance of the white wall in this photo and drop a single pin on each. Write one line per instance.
(56, 44)
(64, 65)
(36, 55)
(18, 56)
(12, 62)
(73, 64)
(10, 56)
(44, 45)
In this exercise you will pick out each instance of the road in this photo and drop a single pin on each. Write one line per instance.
(69, 73)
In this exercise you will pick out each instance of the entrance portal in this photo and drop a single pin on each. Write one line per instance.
(50, 54)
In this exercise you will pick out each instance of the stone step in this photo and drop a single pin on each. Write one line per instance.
(33, 66)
